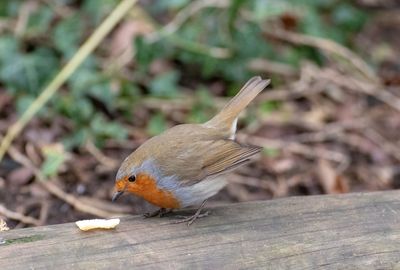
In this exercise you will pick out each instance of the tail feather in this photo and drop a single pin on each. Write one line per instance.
(227, 117)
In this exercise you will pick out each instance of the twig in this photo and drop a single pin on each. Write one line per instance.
(168, 31)
(91, 43)
(60, 10)
(18, 216)
(298, 148)
(332, 130)
(325, 45)
(212, 51)
(24, 13)
(354, 84)
(253, 182)
(7, 25)
(337, 131)
(184, 15)
(300, 88)
(44, 211)
(75, 202)
(186, 102)
(284, 94)
(268, 66)
(57, 191)
(387, 146)
(100, 157)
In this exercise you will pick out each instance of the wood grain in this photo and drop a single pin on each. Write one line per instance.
(353, 231)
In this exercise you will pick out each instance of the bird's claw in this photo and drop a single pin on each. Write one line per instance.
(158, 213)
(190, 219)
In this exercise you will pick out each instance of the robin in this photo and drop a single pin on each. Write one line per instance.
(178, 168)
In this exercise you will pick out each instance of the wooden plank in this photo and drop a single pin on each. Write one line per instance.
(353, 231)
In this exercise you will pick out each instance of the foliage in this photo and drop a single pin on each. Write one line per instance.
(54, 30)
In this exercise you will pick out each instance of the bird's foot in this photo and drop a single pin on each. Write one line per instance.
(158, 213)
(191, 219)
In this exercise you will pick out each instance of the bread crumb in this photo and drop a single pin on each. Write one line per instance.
(90, 224)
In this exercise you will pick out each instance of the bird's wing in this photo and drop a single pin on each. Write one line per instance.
(211, 158)
(193, 153)
(226, 155)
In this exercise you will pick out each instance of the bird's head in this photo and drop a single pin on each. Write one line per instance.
(143, 179)
(132, 177)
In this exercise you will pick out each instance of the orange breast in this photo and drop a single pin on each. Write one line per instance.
(145, 187)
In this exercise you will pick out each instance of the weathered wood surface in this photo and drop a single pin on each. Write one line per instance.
(353, 231)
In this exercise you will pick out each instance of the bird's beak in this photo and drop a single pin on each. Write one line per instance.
(117, 195)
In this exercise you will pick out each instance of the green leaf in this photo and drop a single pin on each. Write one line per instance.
(8, 48)
(156, 125)
(10, 8)
(263, 9)
(312, 23)
(23, 103)
(270, 106)
(67, 34)
(103, 129)
(165, 84)
(97, 10)
(168, 5)
(82, 79)
(80, 110)
(39, 22)
(348, 17)
(147, 52)
(233, 12)
(26, 73)
(128, 97)
(270, 152)
(53, 161)
(203, 109)
(77, 138)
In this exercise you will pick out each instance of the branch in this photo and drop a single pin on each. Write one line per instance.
(325, 45)
(57, 191)
(183, 16)
(299, 148)
(18, 216)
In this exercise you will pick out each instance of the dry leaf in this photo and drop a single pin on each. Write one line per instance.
(331, 182)
(20, 176)
(124, 35)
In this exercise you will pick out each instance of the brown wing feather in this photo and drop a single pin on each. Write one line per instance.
(227, 156)
(216, 157)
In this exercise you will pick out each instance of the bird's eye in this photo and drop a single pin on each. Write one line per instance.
(132, 178)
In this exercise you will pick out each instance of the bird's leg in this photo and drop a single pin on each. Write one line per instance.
(158, 213)
(196, 215)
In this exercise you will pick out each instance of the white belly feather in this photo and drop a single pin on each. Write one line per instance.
(197, 193)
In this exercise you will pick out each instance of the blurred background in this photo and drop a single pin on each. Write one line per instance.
(329, 122)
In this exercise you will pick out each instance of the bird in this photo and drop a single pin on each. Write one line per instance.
(179, 167)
